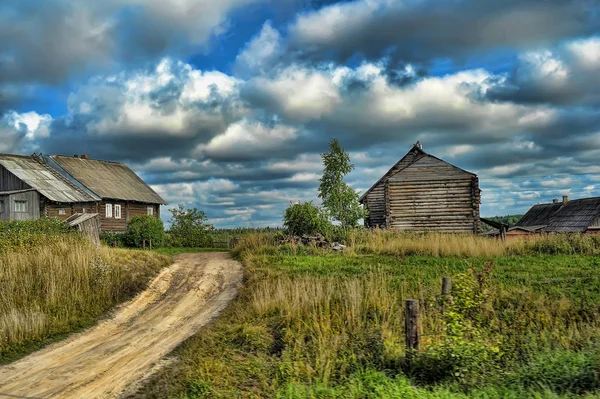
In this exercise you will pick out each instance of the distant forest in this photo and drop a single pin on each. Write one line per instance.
(508, 219)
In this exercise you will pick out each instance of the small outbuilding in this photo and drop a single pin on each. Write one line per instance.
(424, 193)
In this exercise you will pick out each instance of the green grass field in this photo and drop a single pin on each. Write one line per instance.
(314, 324)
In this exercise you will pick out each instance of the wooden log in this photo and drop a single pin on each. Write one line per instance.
(411, 325)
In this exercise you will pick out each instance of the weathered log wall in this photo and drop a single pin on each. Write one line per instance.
(432, 195)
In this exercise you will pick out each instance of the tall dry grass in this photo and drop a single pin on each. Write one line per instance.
(64, 285)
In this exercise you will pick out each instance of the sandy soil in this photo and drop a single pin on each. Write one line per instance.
(104, 360)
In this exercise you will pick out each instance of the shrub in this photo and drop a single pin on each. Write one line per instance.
(144, 227)
(110, 238)
(189, 228)
(305, 218)
(29, 233)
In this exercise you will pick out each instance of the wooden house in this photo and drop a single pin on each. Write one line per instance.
(60, 186)
(575, 216)
(424, 193)
(29, 189)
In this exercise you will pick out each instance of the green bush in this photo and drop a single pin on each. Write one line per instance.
(189, 228)
(110, 238)
(144, 227)
(305, 218)
(28, 233)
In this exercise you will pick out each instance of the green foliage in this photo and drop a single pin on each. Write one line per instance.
(189, 228)
(30, 233)
(111, 238)
(144, 227)
(339, 199)
(561, 371)
(466, 353)
(305, 218)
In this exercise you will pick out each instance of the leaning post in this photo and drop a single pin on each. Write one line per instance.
(412, 330)
(446, 285)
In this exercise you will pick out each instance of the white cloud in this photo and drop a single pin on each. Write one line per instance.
(253, 138)
(261, 52)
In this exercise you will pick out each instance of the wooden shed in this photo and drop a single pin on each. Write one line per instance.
(424, 193)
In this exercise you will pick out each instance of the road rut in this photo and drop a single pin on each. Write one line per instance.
(103, 361)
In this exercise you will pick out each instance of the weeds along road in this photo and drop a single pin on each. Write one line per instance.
(107, 359)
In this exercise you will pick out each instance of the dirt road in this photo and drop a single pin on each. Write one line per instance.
(102, 361)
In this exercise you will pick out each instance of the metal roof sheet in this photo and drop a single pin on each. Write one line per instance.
(112, 180)
(44, 179)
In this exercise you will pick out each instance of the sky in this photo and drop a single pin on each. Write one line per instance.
(227, 105)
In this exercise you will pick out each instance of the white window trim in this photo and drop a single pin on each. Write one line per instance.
(150, 210)
(83, 210)
(20, 202)
(109, 211)
(117, 211)
(62, 211)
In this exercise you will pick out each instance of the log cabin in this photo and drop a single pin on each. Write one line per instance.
(424, 193)
(61, 186)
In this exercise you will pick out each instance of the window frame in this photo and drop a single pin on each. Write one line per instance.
(24, 202)
(150, 210)
(62, 211)
(108, 211)
(118, 214)
(2, 206)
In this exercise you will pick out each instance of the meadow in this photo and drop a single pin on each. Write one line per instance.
(311, 323)
(54, 282)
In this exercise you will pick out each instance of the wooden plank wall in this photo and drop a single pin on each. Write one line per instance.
(375, 199)
(433, 195)
(128, 211)
(4, 207)
(32, 198)
(10, 182)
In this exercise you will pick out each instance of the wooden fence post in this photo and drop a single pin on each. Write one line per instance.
(143, 244)
(114, 243)
(446, 285)
(150, 244)
(412, 330)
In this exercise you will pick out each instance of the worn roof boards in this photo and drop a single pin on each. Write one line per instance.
(70, 179)
(574, 217)
(44, 179)
(112, 180)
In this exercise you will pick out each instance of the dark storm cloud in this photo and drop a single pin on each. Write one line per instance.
(419, 31)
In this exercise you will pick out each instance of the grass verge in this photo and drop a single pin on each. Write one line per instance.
(313, 324)
(50, 290)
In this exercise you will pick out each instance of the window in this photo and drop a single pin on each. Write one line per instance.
(151, 210)
(117, 211)
(20, 206)
(108, 210)
(1, 206)
(83, 210)
(62, 211)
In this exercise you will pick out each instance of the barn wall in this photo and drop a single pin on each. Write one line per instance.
(375, 204)
(433, 195)
(52, 209)
(10, 182)
(4, 207)
(375, 199)
(32, 198)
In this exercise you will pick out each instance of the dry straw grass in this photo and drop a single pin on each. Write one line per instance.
(55, 288)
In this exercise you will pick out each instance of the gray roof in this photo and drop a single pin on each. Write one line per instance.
(44, 179)
(411, 157)
(112, 180)
(574, 217)
(539, 215)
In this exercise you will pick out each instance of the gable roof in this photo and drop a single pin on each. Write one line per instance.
(415, 154)
(44, 179)
(539, 215)
(113, 180)
(574, 217)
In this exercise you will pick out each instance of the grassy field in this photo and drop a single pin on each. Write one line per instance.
(54, 284)
(522, 322)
